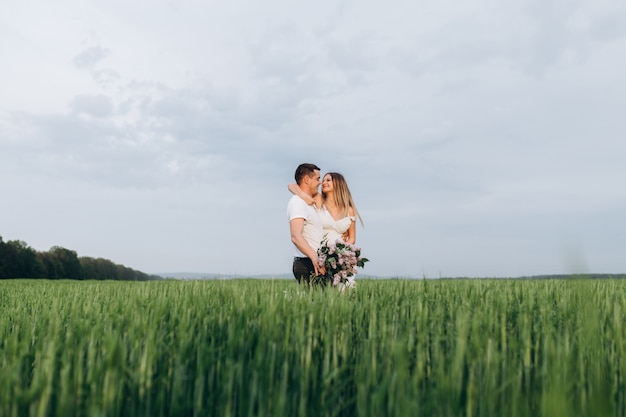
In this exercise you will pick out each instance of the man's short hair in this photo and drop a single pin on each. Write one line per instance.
(303, 170)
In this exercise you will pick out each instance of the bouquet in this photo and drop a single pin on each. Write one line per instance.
(341, 260)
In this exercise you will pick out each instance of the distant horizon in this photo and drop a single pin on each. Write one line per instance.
(199, 275)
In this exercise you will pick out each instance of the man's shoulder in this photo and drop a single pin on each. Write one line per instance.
(297, 207)
(296, 201)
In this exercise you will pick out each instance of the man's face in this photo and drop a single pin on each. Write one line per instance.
(314, 182)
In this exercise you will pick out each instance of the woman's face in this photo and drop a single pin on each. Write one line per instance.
(327, 183)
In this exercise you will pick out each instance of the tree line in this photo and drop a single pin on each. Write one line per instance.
(18, 260)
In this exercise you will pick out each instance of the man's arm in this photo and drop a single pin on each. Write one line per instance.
(296, 226)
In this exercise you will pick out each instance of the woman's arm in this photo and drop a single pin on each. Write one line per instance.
(350, 235)
(317, 200)
(294, 189)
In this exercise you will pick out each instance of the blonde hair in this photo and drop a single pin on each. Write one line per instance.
(342, 196)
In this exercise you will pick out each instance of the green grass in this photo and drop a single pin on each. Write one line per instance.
(270, 348)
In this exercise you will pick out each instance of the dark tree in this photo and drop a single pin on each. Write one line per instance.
(68, 262)
(18, 260)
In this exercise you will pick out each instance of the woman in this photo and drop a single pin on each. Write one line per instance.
(336, 207)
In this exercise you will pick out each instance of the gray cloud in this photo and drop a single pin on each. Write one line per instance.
(88, 58)
(478, 139)
(96, 106)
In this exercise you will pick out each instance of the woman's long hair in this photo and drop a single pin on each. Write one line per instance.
(341, 195)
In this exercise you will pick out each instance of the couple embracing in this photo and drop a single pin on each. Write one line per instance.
(315, 217)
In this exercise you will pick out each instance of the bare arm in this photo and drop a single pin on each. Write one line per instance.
(351, 232)
(296, 226)
(317, 199)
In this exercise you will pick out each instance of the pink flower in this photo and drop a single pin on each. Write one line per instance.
(341, 260)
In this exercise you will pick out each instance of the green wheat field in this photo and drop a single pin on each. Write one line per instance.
(466, 347)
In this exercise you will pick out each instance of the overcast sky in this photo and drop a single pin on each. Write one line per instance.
(480, 138)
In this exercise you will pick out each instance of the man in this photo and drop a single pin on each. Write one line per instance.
(305, 225)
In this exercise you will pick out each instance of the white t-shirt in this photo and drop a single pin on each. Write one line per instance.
(313, 231)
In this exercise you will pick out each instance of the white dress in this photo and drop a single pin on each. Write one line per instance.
(334, 229)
